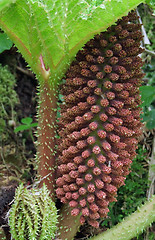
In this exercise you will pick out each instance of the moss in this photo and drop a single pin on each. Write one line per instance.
(8, 100)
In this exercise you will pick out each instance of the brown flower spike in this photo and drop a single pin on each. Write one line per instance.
(100, 120)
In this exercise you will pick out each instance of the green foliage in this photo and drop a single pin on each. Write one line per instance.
(33, 215)
(2, 235)
(149, 118)
(151, 3)
(5, 42)
(149, 69)
(8, 98)
(148, 20)
(5, 3)
(148, 96)
(49, 43)
(27, 124)
(148, 90)
(133, 193)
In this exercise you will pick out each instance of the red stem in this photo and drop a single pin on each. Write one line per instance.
(68, 225)
(46, 136)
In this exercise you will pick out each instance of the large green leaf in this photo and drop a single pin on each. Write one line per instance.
(5, 3)
(51, 32)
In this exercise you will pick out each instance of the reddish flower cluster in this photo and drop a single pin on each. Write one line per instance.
(100, 120)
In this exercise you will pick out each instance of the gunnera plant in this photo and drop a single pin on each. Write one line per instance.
(100, 120)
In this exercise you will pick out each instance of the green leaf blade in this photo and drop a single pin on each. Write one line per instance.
(56, 30)
(26, 120)
(13, 20)
(147, 95)
(149, 118)
(5, 3)
(21, 128)
(98, 21)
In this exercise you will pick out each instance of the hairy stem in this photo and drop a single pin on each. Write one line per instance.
(46, 136)
(133, 225)
(68, 224)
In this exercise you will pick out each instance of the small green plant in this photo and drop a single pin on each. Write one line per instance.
(33, 215)
(27, 124)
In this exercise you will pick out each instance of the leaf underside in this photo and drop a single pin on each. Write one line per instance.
(57, 29)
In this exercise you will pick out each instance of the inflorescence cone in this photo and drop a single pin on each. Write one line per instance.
(100, 120)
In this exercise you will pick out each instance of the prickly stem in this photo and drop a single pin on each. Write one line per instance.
(68, 225)
(46, 135)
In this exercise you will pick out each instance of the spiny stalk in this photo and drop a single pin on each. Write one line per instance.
(46, 132)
